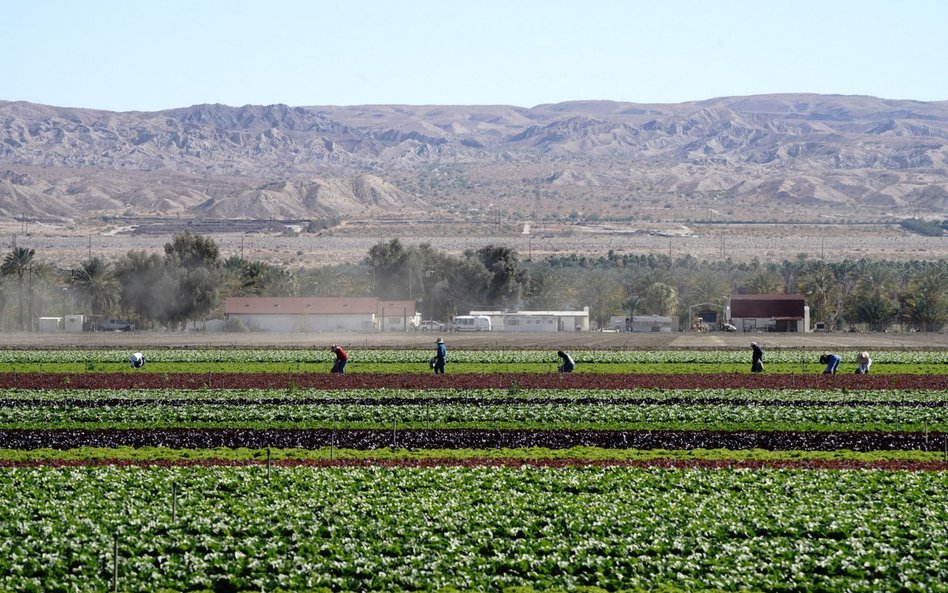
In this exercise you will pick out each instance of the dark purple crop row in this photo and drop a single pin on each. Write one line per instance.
(367, 439)
(464, 381)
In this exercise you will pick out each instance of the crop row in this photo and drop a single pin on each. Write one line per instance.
(520, 415)
(310, 396)
(395, 439)
(422, 367)
(374, 529)
(333, 456)
(465, 381)
(488, 356)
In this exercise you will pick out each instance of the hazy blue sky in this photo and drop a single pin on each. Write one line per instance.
(151, 55)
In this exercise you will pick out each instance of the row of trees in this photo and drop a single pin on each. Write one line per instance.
(189, 281)
(170, 290)
(875, 293)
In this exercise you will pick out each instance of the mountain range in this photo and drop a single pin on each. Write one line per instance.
(750, 158)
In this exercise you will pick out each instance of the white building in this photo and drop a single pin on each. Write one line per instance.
(537, 321)
(74, 323)
(50, 325)
(652, 324)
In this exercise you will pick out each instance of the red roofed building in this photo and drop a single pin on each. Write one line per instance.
(319, 314)
(769, 312)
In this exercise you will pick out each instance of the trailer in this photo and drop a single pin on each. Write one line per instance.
(470, 323)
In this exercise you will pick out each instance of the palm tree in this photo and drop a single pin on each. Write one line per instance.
(872, 303)
(17, 263)
(660, 299)
(821, 290)
(708, 286)
(762, 281)
(925, 302)
(876, 279)
(277, 281)
(95, 285)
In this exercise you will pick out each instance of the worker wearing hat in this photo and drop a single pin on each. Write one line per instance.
(757, 359)
(441, 356)
(863, 362)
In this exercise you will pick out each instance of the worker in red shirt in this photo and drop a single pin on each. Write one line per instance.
(339, 366)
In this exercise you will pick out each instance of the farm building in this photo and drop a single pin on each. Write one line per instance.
(48, 325)
(769, 312)
(304, 314)
(653, 324)
(642, 323)
(398, 316)
(537, 321)
(74, 323)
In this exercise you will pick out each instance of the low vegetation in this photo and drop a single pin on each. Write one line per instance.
(407, 361)
(923, 227)
(292, 480)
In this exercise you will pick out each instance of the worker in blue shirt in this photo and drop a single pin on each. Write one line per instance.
(831, 361)
(441, 357)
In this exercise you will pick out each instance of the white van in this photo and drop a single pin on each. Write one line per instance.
(470, 323)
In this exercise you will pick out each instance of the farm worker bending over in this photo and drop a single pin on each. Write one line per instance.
(339, 366)
(137, 360)
(441, 356)
(757, 359)
(863, 362)
(568, 364)
(831, 361)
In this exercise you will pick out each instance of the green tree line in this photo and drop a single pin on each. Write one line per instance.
(189, 281)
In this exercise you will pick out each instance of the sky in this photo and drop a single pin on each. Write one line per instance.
(149, 55)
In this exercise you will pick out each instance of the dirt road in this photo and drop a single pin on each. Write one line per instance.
(492, 340)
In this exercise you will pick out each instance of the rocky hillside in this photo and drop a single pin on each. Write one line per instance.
(746, 156)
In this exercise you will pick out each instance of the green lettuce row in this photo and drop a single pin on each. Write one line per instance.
(148, 454)
(307, 356)
(506, 416)
(907, 397)
(491, 529)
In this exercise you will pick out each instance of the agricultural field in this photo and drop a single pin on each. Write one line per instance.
(672, 470)
(477, 360)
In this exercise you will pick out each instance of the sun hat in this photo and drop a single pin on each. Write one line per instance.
(439, 341)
